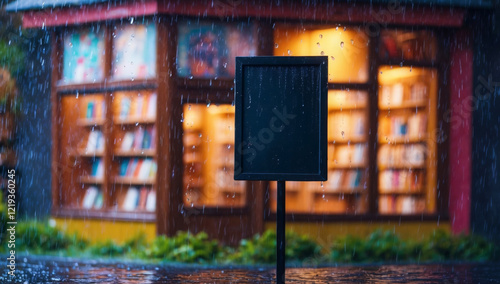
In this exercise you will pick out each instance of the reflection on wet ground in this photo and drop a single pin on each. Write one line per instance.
(65, 270)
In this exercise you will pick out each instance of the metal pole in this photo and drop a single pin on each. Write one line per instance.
(280, 234)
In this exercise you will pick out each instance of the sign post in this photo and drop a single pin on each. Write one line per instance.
(281, 126)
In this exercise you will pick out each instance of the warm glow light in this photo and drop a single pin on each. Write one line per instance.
(346, 48)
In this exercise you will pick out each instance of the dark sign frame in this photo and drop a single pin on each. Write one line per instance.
(320, 63)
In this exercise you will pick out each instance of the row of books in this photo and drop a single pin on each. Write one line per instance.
(138, 168)
(394, 181)
(143, 199)
(344, 155)
(392, 204)
(95, 109)
(92, 199)
(141, 138)
(413, 126)
(345, 125)
(340, 99)
(138, 106)
(338, 179)
(95, 142)
(401, 155)
(395, 95)
(97, 170)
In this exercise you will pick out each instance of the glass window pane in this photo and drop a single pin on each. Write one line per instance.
(346, 48)
(209, 157)
(408, 45)
(83, 57)
(134, 51)
(407, 150)
(208, 50)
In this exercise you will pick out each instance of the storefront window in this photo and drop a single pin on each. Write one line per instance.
(208, 50)
(83, 58)
(209, 157)
(134, 51)
(404, 149)
(407, 147)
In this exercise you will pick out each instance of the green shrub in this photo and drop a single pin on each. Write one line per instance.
(184, 247)
(40, 237)
(262, 249)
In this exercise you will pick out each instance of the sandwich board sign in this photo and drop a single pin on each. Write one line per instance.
(281, 125)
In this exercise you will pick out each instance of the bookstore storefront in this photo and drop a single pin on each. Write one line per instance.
(143, 118)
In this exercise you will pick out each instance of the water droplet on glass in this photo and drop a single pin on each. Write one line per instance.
(352, 41)
(322, 53)
(289, 52)
(333, 58)
(208, 104)
(318, 44)
(320, 36)
(131, 20)
(342, 134)
(341, 44)
(337, 28)
(276, 45)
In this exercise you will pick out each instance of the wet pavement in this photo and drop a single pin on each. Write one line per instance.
(36, 269)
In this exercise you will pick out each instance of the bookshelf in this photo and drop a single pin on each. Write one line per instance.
(109, 164)
(82, 161)
(134, 162)
(406, 154)
(209, 157)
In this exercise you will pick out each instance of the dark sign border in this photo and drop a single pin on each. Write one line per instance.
(272, 61)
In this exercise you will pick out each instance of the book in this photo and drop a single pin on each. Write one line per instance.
(90, 110)
(128, 141)
(153, 138)
(138, 137)
(151, 202)
(100, 170)
(125, 105)
(89, 197)
(152, 172)
(131, 167)
(137, 168)
(151, 109)
(138, 105)
(143, 197)
(144, 170)
(92, 141)
(397, 94)
(123, 167)
(98, 201)
(146, 141)
(130, 201)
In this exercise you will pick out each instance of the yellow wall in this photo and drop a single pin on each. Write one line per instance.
(102, 230)
(325, 233)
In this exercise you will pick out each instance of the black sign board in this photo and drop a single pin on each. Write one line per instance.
(280, 127)
(281, 118)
